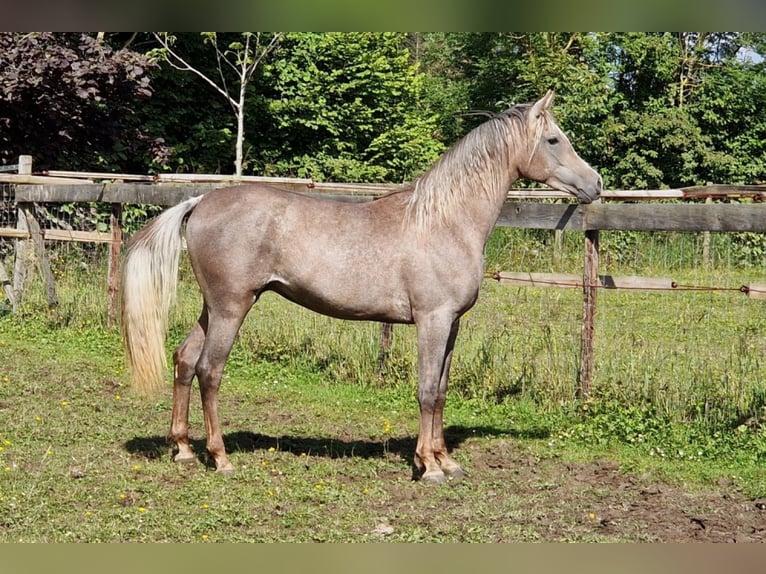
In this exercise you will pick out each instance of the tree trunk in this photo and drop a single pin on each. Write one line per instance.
(240, 111)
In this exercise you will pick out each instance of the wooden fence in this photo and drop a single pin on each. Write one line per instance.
(698, 214)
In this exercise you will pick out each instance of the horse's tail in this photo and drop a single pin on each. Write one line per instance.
(149, 278)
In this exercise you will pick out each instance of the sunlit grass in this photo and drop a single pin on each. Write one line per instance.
(317, 458)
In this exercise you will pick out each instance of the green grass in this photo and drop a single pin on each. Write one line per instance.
(83, 459)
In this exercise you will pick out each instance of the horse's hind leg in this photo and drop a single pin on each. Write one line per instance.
(185, 360)
(221, 332)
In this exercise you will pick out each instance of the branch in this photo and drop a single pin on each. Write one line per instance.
(247, 70)
(275, 39)
(218, 57)
(571, 41)
(127, 44)
(184, 66)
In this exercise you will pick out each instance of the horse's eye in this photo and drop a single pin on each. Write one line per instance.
(553, 140)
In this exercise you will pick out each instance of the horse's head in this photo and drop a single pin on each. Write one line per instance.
(553, 160)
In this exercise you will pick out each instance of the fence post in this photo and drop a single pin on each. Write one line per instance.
(23, 256)
(24, 247)
(7, 285)
(113, 277)
(25, 165)
(590, 289)
(386, 340)
(706, 242)
(38, 244)
(29, 250)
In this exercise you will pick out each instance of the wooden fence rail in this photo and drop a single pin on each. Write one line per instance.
(612, 213)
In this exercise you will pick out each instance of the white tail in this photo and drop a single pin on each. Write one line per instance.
(149, 279)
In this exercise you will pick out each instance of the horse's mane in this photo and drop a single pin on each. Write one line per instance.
(477, 164)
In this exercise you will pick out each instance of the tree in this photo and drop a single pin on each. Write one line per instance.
(66, 100)
(731, 109)
(484, 73)
(346, 107)
(673, 126)
(240, 58)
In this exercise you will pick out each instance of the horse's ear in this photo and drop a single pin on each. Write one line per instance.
(542, 104)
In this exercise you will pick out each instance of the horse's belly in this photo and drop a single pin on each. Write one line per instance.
(359, 302)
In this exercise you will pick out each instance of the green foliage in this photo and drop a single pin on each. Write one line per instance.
(606, 422)
(730, 110)
(487, 72)
(661, 148)
(649, 110)
(749, 248)
(345, 107)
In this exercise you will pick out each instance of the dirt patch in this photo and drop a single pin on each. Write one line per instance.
(592, 501)
(525, 498)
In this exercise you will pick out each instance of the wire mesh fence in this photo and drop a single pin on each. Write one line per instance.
(8, 218)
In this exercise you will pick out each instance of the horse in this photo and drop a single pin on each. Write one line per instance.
(412, 256)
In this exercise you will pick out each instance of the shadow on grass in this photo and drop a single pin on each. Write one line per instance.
(154, 447)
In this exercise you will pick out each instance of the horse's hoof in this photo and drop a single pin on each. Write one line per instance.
(456, 476)
(454, 473)
(434, 477)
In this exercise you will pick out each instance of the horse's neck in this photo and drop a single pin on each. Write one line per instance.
(484, 210)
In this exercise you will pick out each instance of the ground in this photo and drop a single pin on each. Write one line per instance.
(511, 494)
(596, 501)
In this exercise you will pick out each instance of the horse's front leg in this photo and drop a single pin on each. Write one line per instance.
(436, 339)
(185, 360)
(449, 467)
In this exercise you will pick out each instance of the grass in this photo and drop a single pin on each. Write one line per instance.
(322, 445)
(83, 459)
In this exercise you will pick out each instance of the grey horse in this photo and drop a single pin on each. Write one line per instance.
(414, 256)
